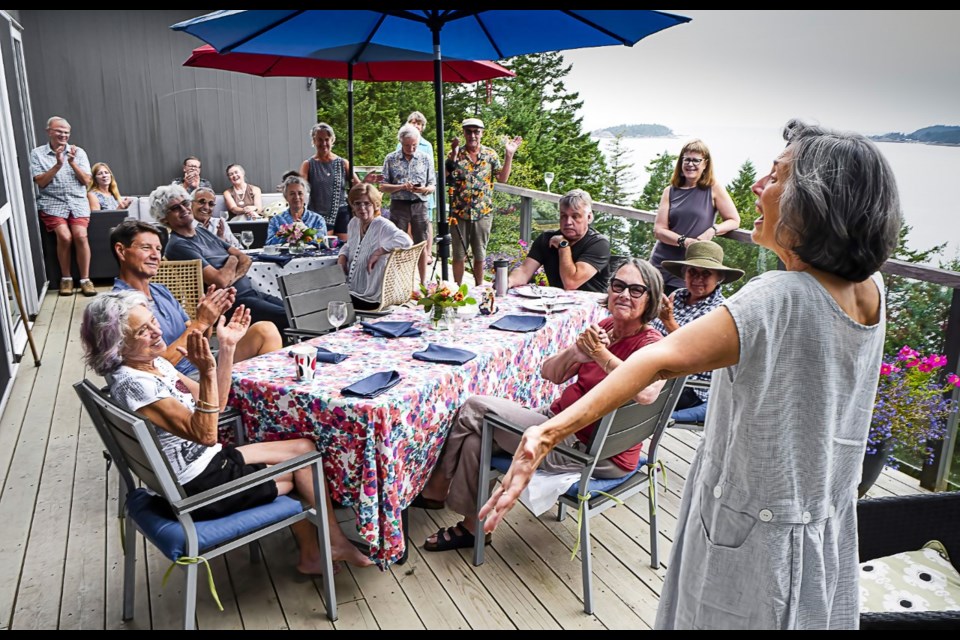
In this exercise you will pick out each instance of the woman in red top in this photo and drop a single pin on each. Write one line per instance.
(633, 299)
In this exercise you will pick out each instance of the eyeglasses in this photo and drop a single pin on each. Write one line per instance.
(636, 290)
(362, 205)
(183, 204)
(472, 131)
(694, 161)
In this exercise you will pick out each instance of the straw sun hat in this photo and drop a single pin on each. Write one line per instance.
(704, 255)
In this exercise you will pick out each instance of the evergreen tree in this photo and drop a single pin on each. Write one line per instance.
(747, 256)
(614, 191)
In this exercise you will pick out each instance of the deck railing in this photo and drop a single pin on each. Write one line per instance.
(934, 476)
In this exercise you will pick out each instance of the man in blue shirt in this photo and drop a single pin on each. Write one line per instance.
(136, 246)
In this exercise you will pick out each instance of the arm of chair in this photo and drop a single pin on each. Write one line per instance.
(904, 523)
(372, 314)
(499, 423)
(299, 334)
(270, 473)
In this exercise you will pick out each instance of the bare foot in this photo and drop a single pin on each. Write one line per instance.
(315, 568)
(349, 553)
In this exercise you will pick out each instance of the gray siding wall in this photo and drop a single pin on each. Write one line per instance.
(117, 76)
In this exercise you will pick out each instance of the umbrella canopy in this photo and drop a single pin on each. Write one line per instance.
(272, 65)
(357, 35)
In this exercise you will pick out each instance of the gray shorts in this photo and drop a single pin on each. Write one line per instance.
(413, 213)
(475, 235)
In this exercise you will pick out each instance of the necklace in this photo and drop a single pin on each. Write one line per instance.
(240, 195)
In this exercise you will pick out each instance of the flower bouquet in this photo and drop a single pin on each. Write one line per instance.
(439, 296)
(911, 410)
(296, 234)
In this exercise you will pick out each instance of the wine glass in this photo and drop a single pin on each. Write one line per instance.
(548, 296)
(246, 237)
(337, 313)
(548, 178)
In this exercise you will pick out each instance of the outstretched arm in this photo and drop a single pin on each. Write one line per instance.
(708, 343)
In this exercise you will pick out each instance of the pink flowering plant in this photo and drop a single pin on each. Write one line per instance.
(297, 233)
(911, 408)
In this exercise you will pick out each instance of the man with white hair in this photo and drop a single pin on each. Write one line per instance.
(61, 172)
(574, 256)
(409, 178)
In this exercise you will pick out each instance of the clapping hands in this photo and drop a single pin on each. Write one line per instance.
(230, 333)
(214, 303)
(198, 352)
(592, 342)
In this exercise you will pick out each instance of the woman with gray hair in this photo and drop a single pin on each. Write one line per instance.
(633, 300)
(767, 531)
(329, 175)
(122, 339)
(296, 192)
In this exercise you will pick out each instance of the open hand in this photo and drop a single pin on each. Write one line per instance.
(230, 333)
(512, 145)
(454, 146)
(215, 303)
(525, 463)
(198, 352)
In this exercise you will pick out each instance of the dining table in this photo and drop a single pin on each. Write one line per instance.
(265, 268)
(380, 451)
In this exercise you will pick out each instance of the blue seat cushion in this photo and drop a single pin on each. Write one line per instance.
(156, 521)
(502, 463)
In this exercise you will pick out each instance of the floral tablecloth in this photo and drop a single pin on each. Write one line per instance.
(264, 274)
(379, 452)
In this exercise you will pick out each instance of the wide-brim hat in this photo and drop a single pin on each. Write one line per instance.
(472, 122)
(704, 255)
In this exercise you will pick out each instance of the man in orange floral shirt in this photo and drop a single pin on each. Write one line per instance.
(470, 175)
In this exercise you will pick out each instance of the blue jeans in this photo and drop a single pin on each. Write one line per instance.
(691, 414)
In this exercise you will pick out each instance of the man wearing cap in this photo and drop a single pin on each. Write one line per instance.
(574, 256)
(471, 172)
(702, 272)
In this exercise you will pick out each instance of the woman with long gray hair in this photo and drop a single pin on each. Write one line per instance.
(767, 531)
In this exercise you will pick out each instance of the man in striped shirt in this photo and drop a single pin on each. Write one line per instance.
(62, 173)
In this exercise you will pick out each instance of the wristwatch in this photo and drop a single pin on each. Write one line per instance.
(716, 230)
(563, 243)
(682, 242)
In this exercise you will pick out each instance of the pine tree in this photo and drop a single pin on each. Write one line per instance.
(641, 236)
(749, 257)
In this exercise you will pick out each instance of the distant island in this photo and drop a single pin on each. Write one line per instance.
(633, 131)
(937, 134)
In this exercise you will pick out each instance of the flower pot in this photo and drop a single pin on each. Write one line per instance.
(296, 249)
(873, 465)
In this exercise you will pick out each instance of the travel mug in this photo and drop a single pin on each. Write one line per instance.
(500, 276)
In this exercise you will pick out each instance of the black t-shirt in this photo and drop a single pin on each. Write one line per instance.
(593, 248)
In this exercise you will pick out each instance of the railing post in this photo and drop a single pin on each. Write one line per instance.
(934, 476)
(526, 218)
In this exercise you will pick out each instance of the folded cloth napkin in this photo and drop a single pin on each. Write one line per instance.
(521, 324)
(372, 385)
(330, 357)
(278, 259)
(444, 355)
(391, 329)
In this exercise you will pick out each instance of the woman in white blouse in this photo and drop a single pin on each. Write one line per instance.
(369, 238)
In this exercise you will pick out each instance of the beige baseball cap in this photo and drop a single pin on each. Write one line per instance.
(473, 122)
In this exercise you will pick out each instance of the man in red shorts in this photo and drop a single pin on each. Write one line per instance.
(62, 173)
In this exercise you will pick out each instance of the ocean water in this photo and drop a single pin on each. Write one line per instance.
(932, 210)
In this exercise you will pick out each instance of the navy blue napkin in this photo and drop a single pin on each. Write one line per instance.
(520, 324)
(372, 385)
(278, 259)
(330, 357)
(391, 329)
(444, 355)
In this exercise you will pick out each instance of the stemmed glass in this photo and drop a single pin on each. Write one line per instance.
(246, 237)
(337, 313)
(548, 296)
(548, 178)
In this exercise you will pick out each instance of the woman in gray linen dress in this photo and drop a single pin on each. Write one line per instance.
(767, 531)
(329, 175)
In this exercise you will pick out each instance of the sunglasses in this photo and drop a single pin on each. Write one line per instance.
(185, 204)
(636, 290)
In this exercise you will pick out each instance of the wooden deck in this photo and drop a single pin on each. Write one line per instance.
(61, 562)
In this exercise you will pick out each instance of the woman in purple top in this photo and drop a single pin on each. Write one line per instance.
(688, 210)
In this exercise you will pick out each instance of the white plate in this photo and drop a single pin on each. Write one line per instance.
(527, 291)
(537, 306)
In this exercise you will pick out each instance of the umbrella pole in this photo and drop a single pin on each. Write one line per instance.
(350, 117)
(443, 227)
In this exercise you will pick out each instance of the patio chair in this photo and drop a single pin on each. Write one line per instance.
(306, 296)
(184, 279)
(400, 277)
(692, 383)
(162, 512)
(619, 430)
(898, 524)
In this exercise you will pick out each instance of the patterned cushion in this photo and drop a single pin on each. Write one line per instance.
(274, 209)
(155, 520)
(922, 580)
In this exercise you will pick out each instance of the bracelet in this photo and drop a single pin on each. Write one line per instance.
(682, 242)
(202, 410)
(208, 405)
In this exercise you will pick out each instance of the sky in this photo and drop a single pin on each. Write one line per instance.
(866, 71)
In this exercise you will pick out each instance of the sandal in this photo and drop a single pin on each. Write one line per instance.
(427, 503)
(457, 537)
